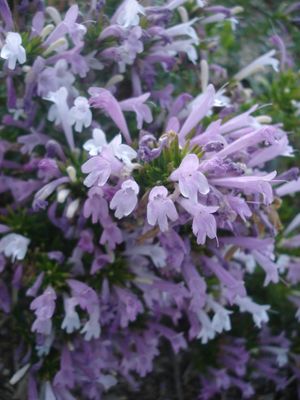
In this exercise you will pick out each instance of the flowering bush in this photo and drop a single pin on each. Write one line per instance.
(139, 207)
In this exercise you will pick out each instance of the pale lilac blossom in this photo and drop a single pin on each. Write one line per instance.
(125, 199)
(44, 306)
(103, 99)
(191, 181)
(160, 208)
(98, 170)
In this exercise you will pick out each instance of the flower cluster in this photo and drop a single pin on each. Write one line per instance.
(134, 210)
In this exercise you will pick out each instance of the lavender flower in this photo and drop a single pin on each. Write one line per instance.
(190, 170)
(44, 306)
(125, 199)
(191, 181)
(160, 207)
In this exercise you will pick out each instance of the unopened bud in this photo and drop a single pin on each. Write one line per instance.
(72, 173)
(54, 14)
(72, 208)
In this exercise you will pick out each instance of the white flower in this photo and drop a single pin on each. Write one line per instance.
(128, 13)
(59, 110)
(13, 50)
(247, 260)
(71, 322)
(122, 151)
(184, 29)
(221, 321)
(186, 46)
(207, 331)
(280, 353)
(259, 312)
(257, 65)
(201, 3)
(107, 381)
(92, 327)
(80, 114)
(94, 146)
(283, 262)
(14, 246)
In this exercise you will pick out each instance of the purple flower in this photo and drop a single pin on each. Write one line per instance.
(43, 306)
(65, 377)
(125, 199)
(6, 15)
(53, 78)
(204, 224)
(200, 107)
(95, 205)
(87, 299)
(103, 99)
(130, 306)
(196, 285)
(111, 235)
(191, 180)
(136, 104)
(48, 169)
(235, 286)
(160, 207)
(249, 184)
(98, 170)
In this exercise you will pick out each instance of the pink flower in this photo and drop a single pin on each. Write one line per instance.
(160, 208)
(125, 199)
(191, 181)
